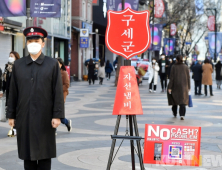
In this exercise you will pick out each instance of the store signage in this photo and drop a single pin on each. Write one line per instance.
(45, 8)
(2, 28)
(12, 8)
(173, 29)
(116, 5)
(84, 33)
(87, 26)
(127, 101)
(128, 32)
(159, 8)
(172, 145)
(84, 42)
(211, 23)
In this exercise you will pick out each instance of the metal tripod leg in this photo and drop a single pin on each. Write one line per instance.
(113, 143)
(138, 143)
(132, 143)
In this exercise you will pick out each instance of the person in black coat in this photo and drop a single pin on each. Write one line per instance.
(218, 67)
(197, 76)
(91, 71)
(0, 79)
(36, 102)
(163, 64)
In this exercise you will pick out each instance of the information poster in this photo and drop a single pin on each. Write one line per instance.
(172, 145)
(84, 42)
(45, 8)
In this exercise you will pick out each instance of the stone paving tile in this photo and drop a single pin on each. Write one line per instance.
(88, 145)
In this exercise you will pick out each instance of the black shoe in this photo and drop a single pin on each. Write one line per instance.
(69, 125)
(196, 94)
(211, 95)
(181, 118)
(175, 115)
(200, 94)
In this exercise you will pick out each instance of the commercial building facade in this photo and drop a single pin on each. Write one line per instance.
(57, 44)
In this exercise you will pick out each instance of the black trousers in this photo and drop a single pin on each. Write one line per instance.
(163, 78)
(151, 85)
(44, 164)
(108, 75)
(101, 80)
(211, 89)
(199, 86)
(91, 78)
(182, 109)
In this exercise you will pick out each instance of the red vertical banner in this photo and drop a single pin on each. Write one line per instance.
(68, 71)
(172, 145)
(211, 23)
(127, 101)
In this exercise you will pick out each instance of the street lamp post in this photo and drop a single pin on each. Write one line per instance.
(215, 53)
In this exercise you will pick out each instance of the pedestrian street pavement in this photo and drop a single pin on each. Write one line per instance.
(90, 109)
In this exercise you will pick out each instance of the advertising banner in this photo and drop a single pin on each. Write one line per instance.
(156, 44)
(116, 5)
(169, 45)
(211, 39)
(159, 8)
(199, 7)
(12, 8)
(172, 145)
(127, 100)
(45, 8)
(84, 42)
(211, 23)
(173, 29)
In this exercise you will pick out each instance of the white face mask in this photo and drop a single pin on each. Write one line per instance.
(34, 48)
(170, 60)
(11, 60)
(154, 61)
(163, 57)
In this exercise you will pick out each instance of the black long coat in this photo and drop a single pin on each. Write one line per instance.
(35, 98)
(218, 67)
(179, 84)
(197, 72)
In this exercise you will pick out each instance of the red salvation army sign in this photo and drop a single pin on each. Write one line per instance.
(127, 100)
(172, 145)
(128, 32)
(173, 29)
(211, 23)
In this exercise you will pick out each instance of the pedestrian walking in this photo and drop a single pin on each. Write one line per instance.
(36, 102)
(108, 69)
(13, 56)
(179, 87)
(207, 76)
(218, 69)
(101, 72)
(153, 69)
(163, 64)
(65, 84)
(91, 71)
(197, 76)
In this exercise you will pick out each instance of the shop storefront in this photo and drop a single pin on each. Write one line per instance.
(57, 44)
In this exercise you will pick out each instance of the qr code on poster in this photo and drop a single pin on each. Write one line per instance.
(175, 152)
